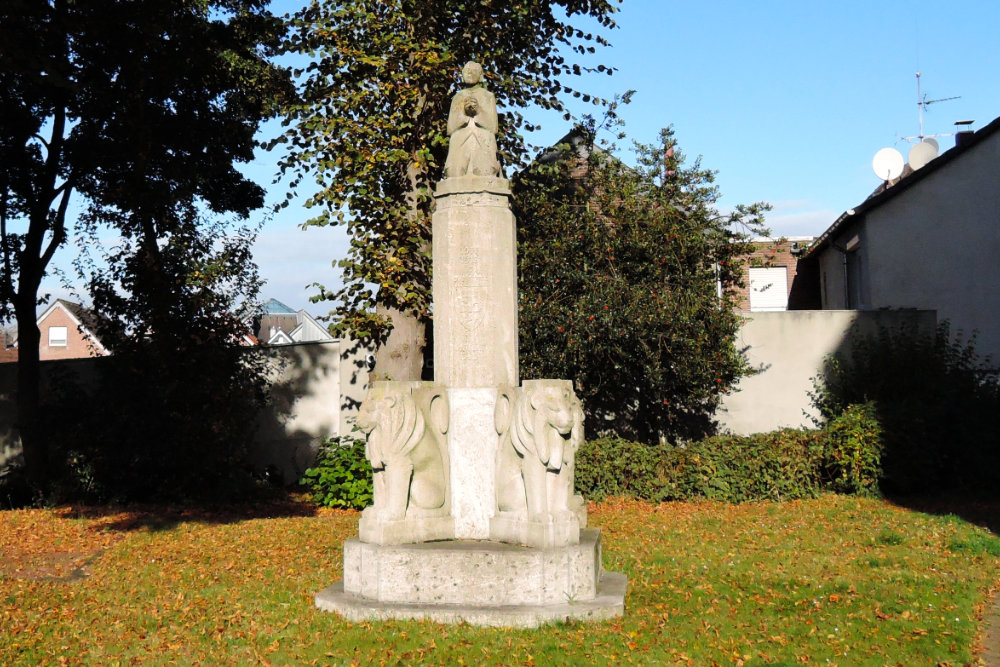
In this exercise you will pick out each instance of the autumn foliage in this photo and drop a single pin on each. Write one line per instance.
(366, 140)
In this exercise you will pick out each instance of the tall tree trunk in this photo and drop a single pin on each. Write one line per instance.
(36, 448)
(401, 357)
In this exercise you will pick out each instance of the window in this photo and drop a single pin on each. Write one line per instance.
(57, 336)
(768, 288)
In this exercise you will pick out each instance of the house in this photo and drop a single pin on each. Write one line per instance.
(274, 323)
(930, 240)
(774, 278)
(67, 332)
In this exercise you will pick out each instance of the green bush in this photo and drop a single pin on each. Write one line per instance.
(617, 467)
(782, 465)
(341, 476)
(852, 456)
(770, 466)
(936, 403)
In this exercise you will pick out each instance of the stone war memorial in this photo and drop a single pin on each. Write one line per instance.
(474, 517)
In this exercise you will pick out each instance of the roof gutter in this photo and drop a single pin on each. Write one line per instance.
(826, 238)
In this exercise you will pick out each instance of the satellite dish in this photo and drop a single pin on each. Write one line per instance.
(888, 164)
(921, 154)
(933, 142)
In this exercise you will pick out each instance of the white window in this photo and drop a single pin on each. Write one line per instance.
(768, 288)
(57, 336)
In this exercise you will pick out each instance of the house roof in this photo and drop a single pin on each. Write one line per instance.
(884, 194)
(280, 337)
(275, 307)
(578, 140)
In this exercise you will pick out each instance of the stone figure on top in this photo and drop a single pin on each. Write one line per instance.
(472, 126)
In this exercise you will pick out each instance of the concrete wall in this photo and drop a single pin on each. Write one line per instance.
(935, 246)
(318, 387)
(316, 391)
(789, 349)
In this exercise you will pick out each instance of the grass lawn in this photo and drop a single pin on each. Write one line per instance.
(836, 580)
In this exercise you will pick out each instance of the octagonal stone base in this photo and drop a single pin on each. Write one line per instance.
(476, 582)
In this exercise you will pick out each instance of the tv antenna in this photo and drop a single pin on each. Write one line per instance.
(922, 104)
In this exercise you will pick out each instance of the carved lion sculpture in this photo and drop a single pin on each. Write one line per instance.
(405, 425)
(540, 427)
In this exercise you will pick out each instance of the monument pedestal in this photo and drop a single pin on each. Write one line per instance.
(513, 528)
(477, 582)
(404, 531)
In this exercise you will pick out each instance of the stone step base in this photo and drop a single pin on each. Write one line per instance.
(476, 581)
(609, 603)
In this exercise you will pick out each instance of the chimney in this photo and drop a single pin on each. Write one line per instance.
(962, 132)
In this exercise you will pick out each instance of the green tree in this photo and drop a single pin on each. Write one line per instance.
(139, 110)
(620, 271)
(174, 343)
(370, 132)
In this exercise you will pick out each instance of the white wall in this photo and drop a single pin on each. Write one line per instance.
(320, 386)
(937, 245)
(789, 349)
(316, 391)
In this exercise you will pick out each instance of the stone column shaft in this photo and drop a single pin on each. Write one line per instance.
(475, 284)
(475, 334)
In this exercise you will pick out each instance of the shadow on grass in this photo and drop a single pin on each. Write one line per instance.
(981, 510)
(156, 518)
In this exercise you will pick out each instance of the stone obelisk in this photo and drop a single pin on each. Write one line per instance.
(474, 518)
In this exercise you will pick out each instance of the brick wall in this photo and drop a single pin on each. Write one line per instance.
(76, 345)
(773, 253)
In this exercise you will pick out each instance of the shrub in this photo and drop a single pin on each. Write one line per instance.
(770, 466)
(935, 400)
(843, 457)
(341, 476)
(617, 467)
(852, 456)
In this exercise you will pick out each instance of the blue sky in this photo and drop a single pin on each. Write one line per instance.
(788, 101)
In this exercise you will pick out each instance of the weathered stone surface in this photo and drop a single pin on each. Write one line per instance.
(472, 126)
(540, 425)
(489, 191)
(411, 529)
(472, 443)
(406, 424)
(515, 528)
(609, 603)
(475, 286)
(486, 583)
